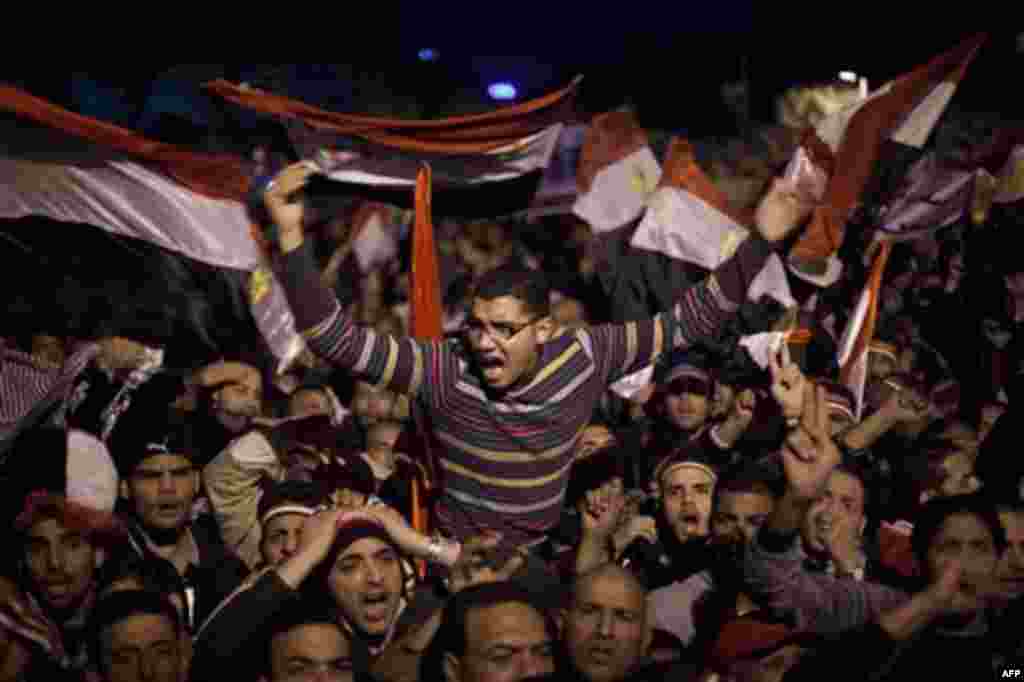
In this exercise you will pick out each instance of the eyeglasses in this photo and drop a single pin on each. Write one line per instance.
(499, 331)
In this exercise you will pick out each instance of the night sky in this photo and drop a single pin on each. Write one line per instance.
(669, 63)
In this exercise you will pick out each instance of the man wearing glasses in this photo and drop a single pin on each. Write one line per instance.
(509, 400)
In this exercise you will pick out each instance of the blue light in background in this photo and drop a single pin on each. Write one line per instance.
(428, 54)
(502, 91)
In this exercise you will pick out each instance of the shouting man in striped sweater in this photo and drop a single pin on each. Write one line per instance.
(509, 399)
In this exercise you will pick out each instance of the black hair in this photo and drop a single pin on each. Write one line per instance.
(750, 477)
(118, 606)
(156, 575)
(529, 286)
(452, 635)
(306, 611)
(934, 513)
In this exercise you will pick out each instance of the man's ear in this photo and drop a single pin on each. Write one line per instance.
(100, 555)
(197, 483)
(126, 493)
(451, 668)
(863, 525)
(546, 329)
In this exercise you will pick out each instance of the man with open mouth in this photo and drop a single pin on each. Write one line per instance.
(510, 398)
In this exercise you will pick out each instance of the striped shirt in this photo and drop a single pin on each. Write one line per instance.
(505, 459)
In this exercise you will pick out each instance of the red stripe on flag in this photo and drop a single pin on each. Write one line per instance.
(215, 176)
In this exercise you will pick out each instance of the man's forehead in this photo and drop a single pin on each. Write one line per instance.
(49, 527)
(500, 309)
(965, 528)
(745, 502)
(841, 483)
(365, 547)
(163, 462)
(313, 641)
(683, 475)
(509, 623)
(611, 589)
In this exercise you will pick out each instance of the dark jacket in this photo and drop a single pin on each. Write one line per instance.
(219, 571)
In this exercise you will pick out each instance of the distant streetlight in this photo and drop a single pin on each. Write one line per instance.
(428, 54)
(502, 91)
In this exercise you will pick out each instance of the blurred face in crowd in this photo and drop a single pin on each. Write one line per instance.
(48, 350)
(595, 437)
(606, 629)
(957, 475)
(309, 403)
(366, 581)
(880, 366)
(129, 583)
(841, 505)
(505, 338)
(144, 647)
(161, 490)
(965, 538)
(686, 405)
(1011, 565)
(314, 651)
(236, 402)
(381, 439)
(61, 563)
(281, 537)
(505, 642)
(740, 515)
(686, 499)
(373, 404)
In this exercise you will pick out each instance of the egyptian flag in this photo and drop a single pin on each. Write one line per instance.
(618, 171)
(127, 236)
(483, 165)
(691, 220)
(836, 158)
(860, 330)
(932, 196)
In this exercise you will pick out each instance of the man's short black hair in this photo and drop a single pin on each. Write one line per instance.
(758, 478)
(529, 286)
(118, 606)
(306, 611)
(451, 636)
(934, 513)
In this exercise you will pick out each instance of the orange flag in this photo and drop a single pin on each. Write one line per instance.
(425, 324)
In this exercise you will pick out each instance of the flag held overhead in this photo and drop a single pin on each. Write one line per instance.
(838, 156)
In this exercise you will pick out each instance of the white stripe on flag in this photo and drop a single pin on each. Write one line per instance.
(681, 225)
(385, 167)
(919, 123)
(619, 192)
(129, 199)
(49, 174)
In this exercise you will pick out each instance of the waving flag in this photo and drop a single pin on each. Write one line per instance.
(500, 145)
(617, 173)
(837, 157)
(66, 167)
(691, 220)
(933, 196)
(856, 338)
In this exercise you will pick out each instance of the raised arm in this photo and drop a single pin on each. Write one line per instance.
(773, 571)
(400, 364)
(704, 308)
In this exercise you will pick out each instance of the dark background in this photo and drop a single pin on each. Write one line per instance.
(670, 64)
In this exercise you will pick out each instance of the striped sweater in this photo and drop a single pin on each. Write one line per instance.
(505, 460)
